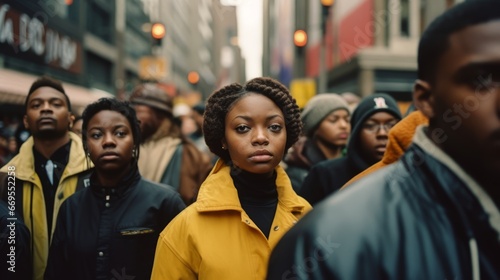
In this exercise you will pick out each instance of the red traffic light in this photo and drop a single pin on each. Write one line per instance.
(193, 77)
(158, 30)
(300, 38)
(327, 3)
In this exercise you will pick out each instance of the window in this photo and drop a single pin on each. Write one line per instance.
(405, 18)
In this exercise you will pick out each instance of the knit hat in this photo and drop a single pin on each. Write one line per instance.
(369, 106)
(318, 107)
(373, 104)
(152, 95)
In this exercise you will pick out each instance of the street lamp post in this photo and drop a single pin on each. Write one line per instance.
(326, 4)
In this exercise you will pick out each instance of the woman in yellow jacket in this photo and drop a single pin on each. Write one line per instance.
(247, 202)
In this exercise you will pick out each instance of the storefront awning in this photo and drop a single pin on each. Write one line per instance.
(14, 87)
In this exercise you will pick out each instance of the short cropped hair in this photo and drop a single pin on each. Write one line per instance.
(111, 104)
(435, 39)
(221, 101)
(46, 81)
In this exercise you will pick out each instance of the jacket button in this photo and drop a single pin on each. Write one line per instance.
(101, 254)
(107, 204)
(276, 228)
(247, 221)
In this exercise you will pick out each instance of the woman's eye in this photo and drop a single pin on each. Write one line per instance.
(120, 134)
(242, 128)
(95, 135)
(275, 127)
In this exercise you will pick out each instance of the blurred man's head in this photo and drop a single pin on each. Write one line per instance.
(153, 106)
(458, 86)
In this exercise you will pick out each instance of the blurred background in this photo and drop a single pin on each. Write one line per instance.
(192, 47)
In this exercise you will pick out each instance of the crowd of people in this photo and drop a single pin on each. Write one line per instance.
(125, 191)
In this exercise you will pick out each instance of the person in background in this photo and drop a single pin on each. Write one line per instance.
(197, 137)
(326, 130)
(400, 139)
(49, 167)
(77, 126)
(247, 202)
(434, 214)
(111, 227)
(352, 99)
(182, 113)
(167, 156)
(371, 121)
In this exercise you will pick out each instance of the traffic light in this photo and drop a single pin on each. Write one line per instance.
(193, 77)
(158, 31)
(300, 38)
(325, 10)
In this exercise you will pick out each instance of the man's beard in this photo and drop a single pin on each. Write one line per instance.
(146, 132)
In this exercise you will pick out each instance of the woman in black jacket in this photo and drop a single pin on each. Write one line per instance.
(110, 229)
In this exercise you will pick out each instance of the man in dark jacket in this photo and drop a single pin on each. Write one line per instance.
(371, 121)
(435, 213)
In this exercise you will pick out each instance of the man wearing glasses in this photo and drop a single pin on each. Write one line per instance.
(371, 121)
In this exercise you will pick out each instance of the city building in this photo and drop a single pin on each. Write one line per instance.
(360, 46)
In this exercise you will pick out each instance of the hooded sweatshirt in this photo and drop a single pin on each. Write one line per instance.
(400, 138)
(330, 175)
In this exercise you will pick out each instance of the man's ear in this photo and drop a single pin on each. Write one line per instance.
(25, 121)
(423, 98)
(71, 120)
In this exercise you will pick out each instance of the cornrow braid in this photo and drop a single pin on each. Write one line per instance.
(222, 100)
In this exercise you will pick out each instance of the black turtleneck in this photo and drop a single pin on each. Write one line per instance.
(258, 197)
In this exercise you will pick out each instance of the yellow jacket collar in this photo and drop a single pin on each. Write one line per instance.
(24, 161)
(218, 192)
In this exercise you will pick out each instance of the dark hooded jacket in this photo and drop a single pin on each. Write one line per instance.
(111, 233)
(303, 154)
(328, 176)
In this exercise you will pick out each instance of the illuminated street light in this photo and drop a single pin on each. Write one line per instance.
(300, 38)
(158, 31)
(193, 77)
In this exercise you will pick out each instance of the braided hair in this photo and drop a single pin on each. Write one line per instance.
(221, 101)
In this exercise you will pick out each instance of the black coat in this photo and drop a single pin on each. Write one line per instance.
(104, 233)
(327, 177)
(414, 219)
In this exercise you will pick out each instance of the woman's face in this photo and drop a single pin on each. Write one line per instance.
(255, 134)
(110, 141)
(335, 128)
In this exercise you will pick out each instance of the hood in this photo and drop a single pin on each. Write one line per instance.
(401, 136)
(367, 107)
(400, 139)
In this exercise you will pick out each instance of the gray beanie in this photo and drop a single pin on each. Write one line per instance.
(318, 107)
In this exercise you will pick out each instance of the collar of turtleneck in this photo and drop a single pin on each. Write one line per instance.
(255, 189)
(130, 179)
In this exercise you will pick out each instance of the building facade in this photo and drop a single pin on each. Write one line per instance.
(365, 46)
(96, 47)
